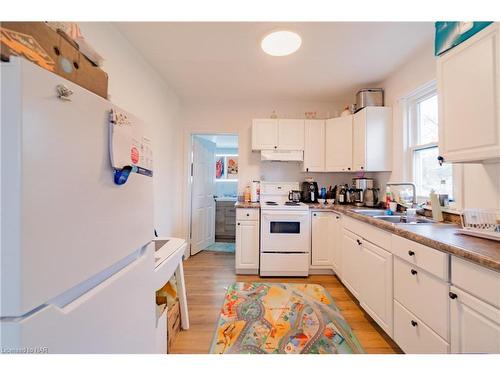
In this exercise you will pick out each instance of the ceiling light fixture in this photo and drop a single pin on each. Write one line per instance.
(281, 43)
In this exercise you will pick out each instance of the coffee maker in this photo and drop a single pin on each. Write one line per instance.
(310, 191)
(361, 186)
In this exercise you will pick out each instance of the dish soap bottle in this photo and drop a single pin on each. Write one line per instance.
(437, 214)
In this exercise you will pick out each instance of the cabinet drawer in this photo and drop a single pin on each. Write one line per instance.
(431, 260)
(247, 214)
(414, 336)
(374, 235)
(423, 294)
(479, 281)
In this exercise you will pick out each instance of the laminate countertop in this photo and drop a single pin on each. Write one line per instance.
(241, 204)
(440, 236)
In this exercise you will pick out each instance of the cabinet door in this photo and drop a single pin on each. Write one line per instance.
(359, 140)
(247, 245)
(338, 147)
(469, 99)
(376, 285)
(323, 239)
(351, 262)
(314, 146)
(336, 231)
(475, 325)
(264, 134)
(291, 134)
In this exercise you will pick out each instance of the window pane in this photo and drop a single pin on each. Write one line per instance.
(427, 129)
(430, 175)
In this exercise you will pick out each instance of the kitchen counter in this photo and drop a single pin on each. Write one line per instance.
(241, 204)
(439, 236)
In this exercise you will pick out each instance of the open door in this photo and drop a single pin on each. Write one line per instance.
(203, 191)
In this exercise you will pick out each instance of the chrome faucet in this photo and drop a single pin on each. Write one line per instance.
(414, 189)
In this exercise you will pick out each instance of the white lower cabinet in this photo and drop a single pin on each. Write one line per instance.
(376, 287)
(352, 273)
(325, 240)
(475, 308)
(367, 273)
(247, 243)
(423, 294)
(475, 325)
(322, 239)
(413, 335)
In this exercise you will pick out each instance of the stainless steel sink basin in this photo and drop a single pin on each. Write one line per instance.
(369, 212)
(403, 219)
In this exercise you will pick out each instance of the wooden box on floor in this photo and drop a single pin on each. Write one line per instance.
(173, 324)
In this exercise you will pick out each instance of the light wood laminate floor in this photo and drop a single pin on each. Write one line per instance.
(207, 274)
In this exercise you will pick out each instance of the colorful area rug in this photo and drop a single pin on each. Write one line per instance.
(268, 318)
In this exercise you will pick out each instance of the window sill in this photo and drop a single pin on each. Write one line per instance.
(448, 210)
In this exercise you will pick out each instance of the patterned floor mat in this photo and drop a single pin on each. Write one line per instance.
(283, 318)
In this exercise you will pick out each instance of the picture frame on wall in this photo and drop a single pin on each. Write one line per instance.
(232, 167)
(220, 167)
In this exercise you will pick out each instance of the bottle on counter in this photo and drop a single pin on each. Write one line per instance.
(388, 197)
(247, 195)
(342, 194)
(255, 191)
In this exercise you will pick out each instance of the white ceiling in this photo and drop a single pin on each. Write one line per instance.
(206, 61)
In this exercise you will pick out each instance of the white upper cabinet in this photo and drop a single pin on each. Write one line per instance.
(273, 134)
(291, 135)
(338, 146)
(372, 139)
(469, 99)
(264, 134)
(314, 146)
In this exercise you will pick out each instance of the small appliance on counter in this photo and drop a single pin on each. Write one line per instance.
(370, 197)
(369, 97)
(310, 191)
(294, 195)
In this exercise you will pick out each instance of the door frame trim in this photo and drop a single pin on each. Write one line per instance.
(188, 162)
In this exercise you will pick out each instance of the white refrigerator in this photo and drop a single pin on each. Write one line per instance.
(76, 260)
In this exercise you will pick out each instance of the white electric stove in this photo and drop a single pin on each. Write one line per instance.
(284, 236)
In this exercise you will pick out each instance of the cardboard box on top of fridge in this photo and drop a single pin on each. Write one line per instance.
(54, 51)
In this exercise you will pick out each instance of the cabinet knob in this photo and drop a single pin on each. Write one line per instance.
(338, 217)
(414, 323)
(348, 169)
(440, 160)
(362, 167)
(238, 223)
(359, 242)
(248, 214)
(411, 253)
(453, 295)
(307, 169)
(275, 146)
(413, 272)
(315, 214)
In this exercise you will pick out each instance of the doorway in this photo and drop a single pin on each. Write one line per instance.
(214, 191)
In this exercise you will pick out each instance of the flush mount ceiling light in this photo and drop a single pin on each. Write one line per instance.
(281, 43)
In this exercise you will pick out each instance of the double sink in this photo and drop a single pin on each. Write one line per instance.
(395, 219)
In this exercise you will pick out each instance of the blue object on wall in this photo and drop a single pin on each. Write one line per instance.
(451, 33)
(121, 175)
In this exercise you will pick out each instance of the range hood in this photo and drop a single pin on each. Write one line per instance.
(281, 155)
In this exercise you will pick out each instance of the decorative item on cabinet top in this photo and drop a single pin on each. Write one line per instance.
(451, 34)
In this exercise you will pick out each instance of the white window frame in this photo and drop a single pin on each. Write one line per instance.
(411, 117)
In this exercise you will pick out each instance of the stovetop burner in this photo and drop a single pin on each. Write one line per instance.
(292, 203)
(271, 203)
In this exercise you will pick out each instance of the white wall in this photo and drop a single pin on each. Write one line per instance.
(136, 87)
(478, 184)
